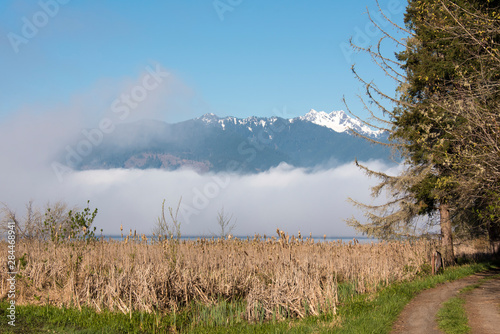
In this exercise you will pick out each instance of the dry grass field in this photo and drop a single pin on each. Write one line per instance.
(274, 277)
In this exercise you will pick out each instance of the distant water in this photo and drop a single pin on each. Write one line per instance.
(361, 240)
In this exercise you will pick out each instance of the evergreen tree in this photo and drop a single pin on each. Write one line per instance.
(448, 48)
(471, 101)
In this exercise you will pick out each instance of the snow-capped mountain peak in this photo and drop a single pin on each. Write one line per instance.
(338, 121)
(209, 118)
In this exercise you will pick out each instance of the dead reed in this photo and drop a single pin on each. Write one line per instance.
(274, 277)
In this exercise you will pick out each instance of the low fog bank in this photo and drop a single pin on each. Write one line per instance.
(288, 198)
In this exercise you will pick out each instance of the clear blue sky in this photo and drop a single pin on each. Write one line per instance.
(242, 58)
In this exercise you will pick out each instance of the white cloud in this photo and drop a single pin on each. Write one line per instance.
(289, 199)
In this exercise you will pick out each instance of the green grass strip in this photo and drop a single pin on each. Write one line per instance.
(452, 318)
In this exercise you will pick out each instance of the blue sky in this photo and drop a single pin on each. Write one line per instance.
(229, 57)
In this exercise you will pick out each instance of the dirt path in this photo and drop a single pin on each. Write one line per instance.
(483, 306)
(420, 314)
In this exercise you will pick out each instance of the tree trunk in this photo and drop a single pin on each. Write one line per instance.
(447, 238)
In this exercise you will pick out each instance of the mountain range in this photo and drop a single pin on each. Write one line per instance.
(253, 144)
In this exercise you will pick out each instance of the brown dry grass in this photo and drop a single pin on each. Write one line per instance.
(275, 277)
(476, 248)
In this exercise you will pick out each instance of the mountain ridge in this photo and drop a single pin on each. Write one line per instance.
(337, 121)
(213, 144)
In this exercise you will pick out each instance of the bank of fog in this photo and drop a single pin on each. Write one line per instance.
(288, 198)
